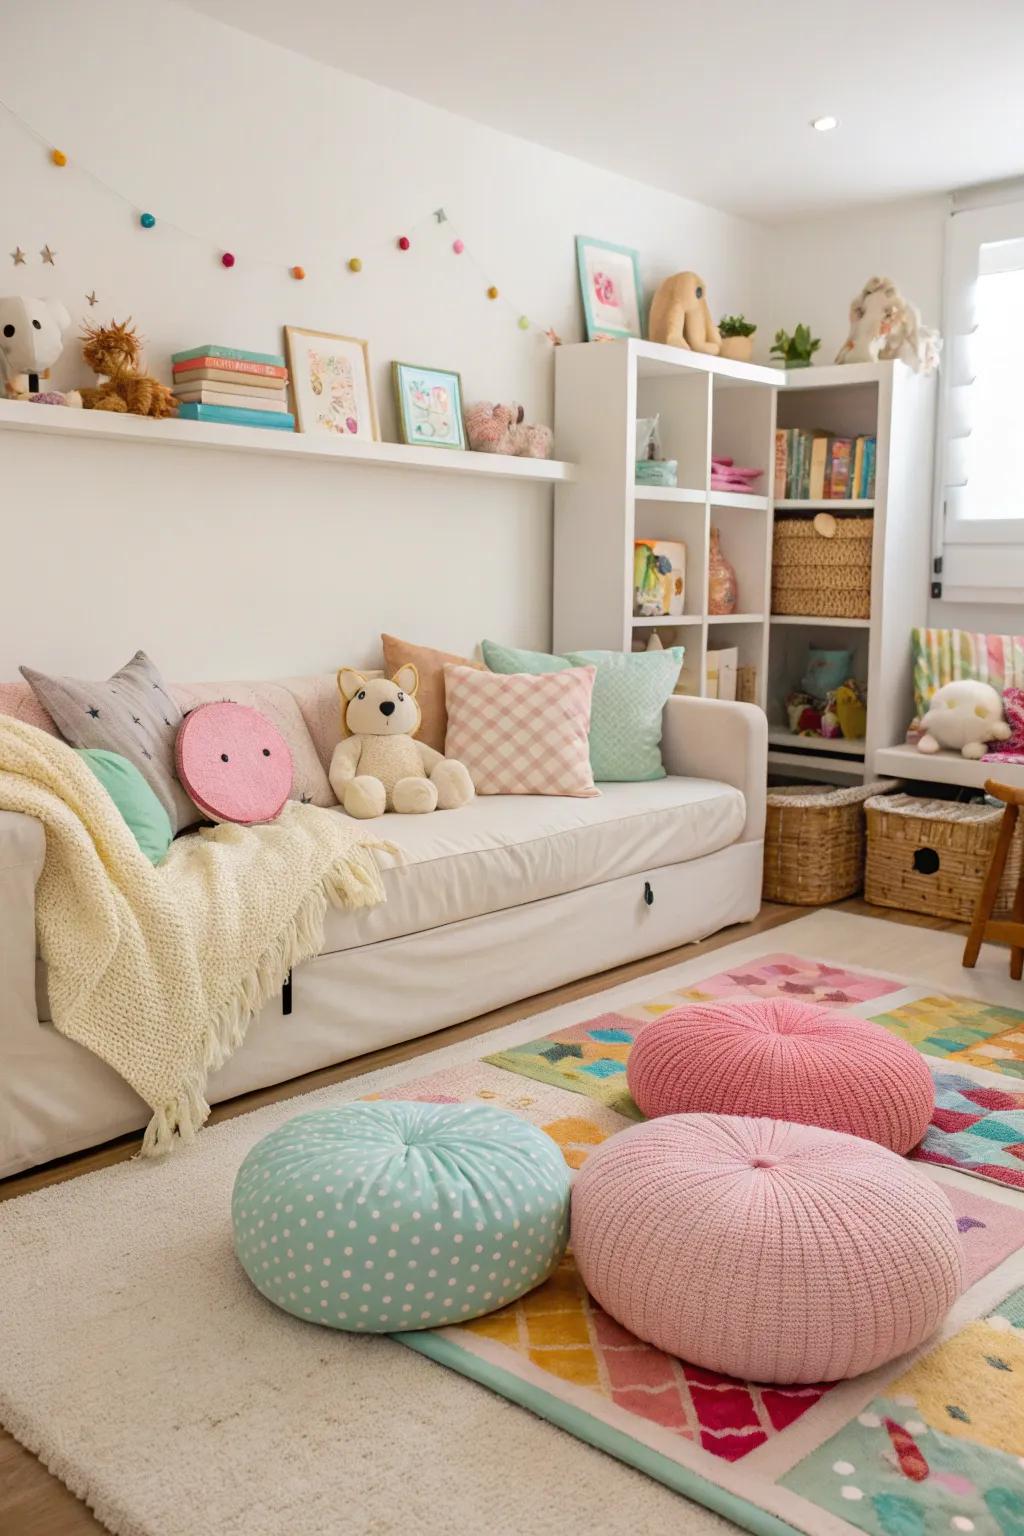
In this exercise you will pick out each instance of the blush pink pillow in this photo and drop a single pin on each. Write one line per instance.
(787, 1060)
(1013, 708)
(521, 734)
(17, 699)
(765, 1251)
(234, 763)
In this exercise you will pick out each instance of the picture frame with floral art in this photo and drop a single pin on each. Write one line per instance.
(331, 385)
(428, 405)
(610, 288)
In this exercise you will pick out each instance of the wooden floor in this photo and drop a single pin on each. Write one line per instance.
(32, 1502)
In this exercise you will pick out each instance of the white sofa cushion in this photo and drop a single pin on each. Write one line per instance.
(502, 850)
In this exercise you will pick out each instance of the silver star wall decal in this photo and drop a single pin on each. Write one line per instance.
(440, 216)
(18, 256)
(92, 298)
(47, 256)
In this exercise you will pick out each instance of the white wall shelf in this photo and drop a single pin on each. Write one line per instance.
(738, 499)
(906, 762)
(105, 426)
(804, 618)
(838, 505)
(669, 493)
(821, 746)
(735, 618)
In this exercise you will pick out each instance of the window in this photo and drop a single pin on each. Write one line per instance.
(979, 484)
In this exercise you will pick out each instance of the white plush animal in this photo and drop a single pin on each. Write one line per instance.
(964, 716)
(379, 766)
(884, 325)
(31, 341)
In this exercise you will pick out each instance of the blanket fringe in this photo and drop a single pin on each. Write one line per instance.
(355, 882)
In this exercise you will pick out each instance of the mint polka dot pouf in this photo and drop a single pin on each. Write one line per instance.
(381, 1217)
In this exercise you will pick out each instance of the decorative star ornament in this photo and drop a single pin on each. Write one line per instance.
(440, 216)
(553, 336)
(18, 256)
(47, 256)
(92, 298)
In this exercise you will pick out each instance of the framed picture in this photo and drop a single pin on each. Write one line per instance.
(610, 285)
(429, 406)
(330, 378)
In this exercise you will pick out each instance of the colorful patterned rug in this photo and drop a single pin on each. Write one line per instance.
(931, 1444)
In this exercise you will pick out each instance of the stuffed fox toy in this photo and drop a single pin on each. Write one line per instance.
(379, 767)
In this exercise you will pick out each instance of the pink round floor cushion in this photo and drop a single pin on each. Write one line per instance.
(766, 1251)
(787, 1060)
(234, 764)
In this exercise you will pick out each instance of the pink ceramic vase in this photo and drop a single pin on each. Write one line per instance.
(722, 593)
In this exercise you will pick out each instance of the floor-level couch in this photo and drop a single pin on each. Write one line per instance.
(495, 902)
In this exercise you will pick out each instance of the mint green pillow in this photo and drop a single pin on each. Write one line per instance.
(146, 817)
(630, 692)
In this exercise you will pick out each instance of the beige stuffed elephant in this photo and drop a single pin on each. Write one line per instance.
(379, 767)
(680, 316)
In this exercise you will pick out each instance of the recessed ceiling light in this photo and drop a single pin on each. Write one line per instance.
(824, 124)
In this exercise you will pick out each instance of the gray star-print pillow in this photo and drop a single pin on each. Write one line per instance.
(133, 714)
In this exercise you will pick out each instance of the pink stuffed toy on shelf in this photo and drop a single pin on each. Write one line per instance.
(501, 429)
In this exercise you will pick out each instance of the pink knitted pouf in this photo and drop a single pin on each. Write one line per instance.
(786, 1060)
(772, 1252)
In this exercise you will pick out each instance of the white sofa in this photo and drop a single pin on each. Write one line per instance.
(496, 902)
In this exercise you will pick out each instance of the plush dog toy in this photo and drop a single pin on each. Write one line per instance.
(501, 429)
(680, 316)
(31, 341)
(379, 767)
(965, 716)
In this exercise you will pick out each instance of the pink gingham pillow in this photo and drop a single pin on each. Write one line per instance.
(519, 734)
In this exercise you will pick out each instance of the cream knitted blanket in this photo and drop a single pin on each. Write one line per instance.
(158, 970)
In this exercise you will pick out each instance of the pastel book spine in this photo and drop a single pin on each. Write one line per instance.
(781, 446)
(857, 472)
(235, 416)
(806, 445)
(839, 489)
(232, 365)
(233, 354)
(260, 381)
(869, 467)
(206, 395)
(819, 466)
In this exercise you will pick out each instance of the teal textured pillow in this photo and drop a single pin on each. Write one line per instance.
(139, 806)
(630, 691)
(381, 1217)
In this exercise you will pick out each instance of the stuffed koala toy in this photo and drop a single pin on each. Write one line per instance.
(379, 767)
(31, 341)
(965, 716)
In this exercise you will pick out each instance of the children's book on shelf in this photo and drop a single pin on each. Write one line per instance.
(219, 394)
(268, 359)
(720, 673)
(659, 578)
(236, 416)
(816, 465)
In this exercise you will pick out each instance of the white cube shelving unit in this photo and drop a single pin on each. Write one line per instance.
(710, 405)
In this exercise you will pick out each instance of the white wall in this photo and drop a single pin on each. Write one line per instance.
(221, 564)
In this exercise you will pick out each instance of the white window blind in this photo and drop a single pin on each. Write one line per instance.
(979, 480)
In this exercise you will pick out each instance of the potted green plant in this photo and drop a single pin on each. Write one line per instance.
(797, 350)
(736, 333)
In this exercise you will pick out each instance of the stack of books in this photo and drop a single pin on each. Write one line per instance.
(819, 466)
(223, 384)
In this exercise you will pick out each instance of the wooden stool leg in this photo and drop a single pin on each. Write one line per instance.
(990, 890)
(1016, 951)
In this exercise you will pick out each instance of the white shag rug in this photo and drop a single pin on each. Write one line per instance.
(140, 1365)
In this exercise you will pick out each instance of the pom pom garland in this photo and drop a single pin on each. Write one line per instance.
(492, 292)
(458, 247)
(298, 273)
(354, 264)
(403, 243)
(58, 157)
(147, 220)
(227, 259)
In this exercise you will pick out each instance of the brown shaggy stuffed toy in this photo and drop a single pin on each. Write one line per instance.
(115, 352)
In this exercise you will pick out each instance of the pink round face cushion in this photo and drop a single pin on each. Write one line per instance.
(787, 1060)
(769, 1252)
(234, 764)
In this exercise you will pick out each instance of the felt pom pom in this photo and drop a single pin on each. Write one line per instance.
(492, 292)
(403, 243)
(227, 260)
(354, 264)
(298, 273)
(524, 322)
(147, 220)
(58, 157)
(458, 247)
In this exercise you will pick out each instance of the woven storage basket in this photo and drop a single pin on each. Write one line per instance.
(933, 855)
(814, 842)
(822, 575)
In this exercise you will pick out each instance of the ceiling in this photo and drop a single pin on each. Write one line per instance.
(711, 101)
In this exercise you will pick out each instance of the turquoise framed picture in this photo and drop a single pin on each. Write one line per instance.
(610, 286)
(429, 406)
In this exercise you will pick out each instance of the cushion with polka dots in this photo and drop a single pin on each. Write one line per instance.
(234, 763)
(380, 1217)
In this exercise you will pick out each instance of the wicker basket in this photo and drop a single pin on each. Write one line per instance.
(933, 855)
(814, 842)
(825, 574)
